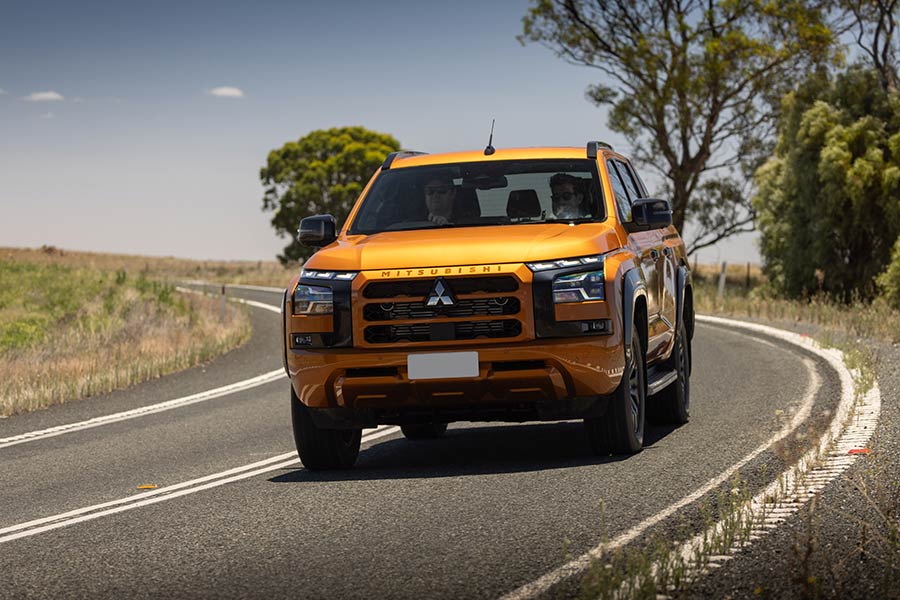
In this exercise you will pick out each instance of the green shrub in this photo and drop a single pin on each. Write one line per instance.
(889, 280)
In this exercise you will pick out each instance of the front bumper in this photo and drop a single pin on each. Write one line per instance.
(546, 379)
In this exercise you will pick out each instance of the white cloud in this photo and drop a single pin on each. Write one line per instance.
(226, 91)
(43, 97)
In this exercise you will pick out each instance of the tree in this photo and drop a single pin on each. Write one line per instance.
(875, 22)
(323, 172)
(693, 85)
(829, 197)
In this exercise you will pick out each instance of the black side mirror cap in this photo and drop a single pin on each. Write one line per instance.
(650, 213)
(317, 231)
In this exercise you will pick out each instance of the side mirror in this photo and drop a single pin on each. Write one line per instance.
(317, 231)
(651, 213)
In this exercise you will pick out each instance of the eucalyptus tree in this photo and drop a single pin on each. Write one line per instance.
(694, 86)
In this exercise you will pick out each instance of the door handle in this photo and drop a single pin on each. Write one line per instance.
(654, 254)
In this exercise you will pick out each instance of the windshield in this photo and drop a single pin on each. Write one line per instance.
(482, 193)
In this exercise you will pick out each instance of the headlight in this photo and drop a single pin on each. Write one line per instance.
(313, 300)
(579, 287)
(565, 262)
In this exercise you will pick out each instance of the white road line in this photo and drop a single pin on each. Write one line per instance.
(833, 357)
(142, 411)
(262, 305)
(255, 288)
(193, 486)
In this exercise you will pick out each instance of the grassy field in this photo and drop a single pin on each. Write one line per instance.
(268, 273)
(838, 322)
(75, 324)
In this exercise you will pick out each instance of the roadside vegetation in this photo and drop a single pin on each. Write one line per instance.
(241, 272)
(75, 324)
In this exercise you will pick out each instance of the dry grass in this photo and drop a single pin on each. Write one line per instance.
(833, 321)
(71, 329)
(268, 273)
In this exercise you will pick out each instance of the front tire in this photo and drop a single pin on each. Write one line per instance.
(322, 449)
(621, 429)
(424, 431)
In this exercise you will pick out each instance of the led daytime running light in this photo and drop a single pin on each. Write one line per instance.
(336, 275)
(562, 263)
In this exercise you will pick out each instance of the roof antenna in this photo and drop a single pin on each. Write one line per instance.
(490, 149)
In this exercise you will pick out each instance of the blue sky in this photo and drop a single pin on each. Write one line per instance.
(138, 156)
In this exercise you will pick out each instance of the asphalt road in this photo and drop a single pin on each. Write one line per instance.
(478, 513)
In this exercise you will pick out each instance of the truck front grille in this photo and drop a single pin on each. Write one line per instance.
(483, 309)
(428, 332)
(479, 307)
(460, 285)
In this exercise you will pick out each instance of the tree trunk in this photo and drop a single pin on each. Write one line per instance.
(680, 199)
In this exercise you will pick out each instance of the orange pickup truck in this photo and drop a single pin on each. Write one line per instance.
(509, 285)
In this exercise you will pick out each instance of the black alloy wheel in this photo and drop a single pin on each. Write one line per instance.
(621, 429)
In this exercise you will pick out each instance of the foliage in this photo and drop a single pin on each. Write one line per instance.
(874, 23)
(692, 85)
(321, 173)
(829, 197)
(889, 280)
(69, 329)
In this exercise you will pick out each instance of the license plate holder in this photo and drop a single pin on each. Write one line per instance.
(442, 365)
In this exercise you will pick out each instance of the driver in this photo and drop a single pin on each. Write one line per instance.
(567, 196)
(440, 194)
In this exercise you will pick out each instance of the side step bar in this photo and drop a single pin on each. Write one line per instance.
(659, 380)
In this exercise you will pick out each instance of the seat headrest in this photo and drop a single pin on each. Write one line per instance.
(523, 204)
(465, 205)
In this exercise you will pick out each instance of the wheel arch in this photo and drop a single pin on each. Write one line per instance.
(634, 308)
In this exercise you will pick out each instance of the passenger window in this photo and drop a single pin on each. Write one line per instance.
(630, 185)
(621, 194)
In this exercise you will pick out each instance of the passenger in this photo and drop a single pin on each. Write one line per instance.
(568, 197)
(440, 194)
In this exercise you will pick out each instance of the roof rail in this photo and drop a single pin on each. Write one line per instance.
(402, 153)
(593, 147)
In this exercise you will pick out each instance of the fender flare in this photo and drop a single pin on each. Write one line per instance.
(633, 287)
(284, 342)
(683, 281)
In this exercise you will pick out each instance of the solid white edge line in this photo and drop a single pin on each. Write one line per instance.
(583, 562)
(237, 286)
(262, 305)
(238, 386)
(177, 490)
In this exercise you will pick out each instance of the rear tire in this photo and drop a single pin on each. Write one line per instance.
(621, 429)
(322, 449)
(424, 431)
(674, 402)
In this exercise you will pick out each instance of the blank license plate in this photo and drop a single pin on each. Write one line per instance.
(442, 365)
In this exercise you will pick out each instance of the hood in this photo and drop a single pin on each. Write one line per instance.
(464, 246)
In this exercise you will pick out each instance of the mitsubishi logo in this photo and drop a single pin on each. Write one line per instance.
(440, 295)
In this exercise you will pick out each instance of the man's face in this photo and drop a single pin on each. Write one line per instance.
(566, 201)
(439, 195)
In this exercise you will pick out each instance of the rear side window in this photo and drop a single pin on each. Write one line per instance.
(630, 185)
(619, 191)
